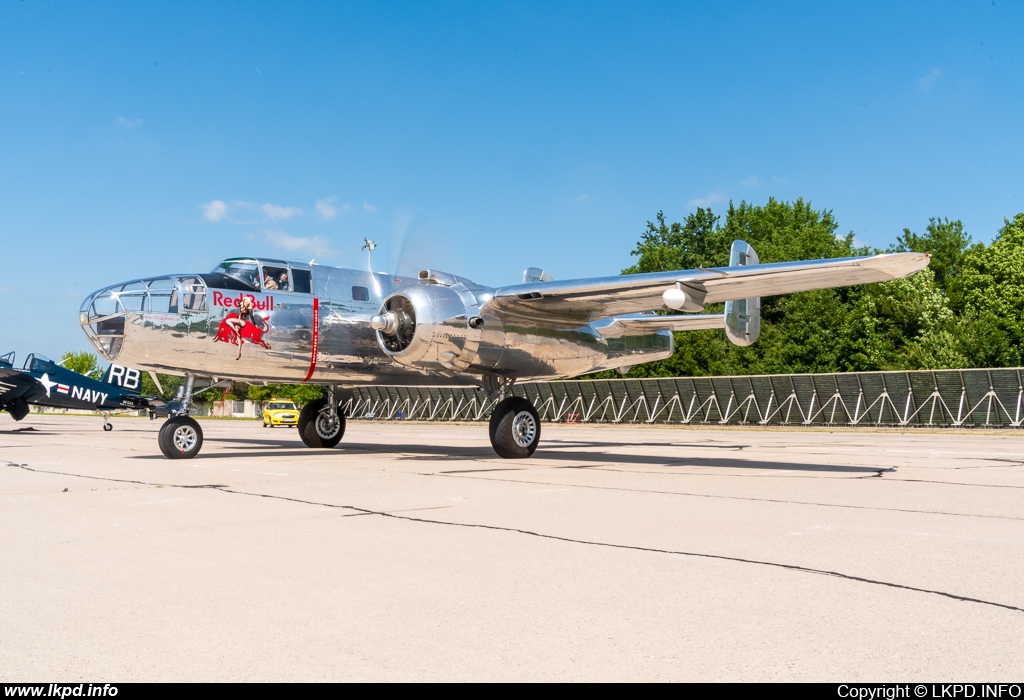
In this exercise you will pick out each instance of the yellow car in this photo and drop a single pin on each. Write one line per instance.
(279, 412)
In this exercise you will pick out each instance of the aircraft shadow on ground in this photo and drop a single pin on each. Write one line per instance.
(258, 447)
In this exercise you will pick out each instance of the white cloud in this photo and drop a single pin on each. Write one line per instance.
(925, 83)
(707, 200)
(582, 198)
(326, 209)
(368, 207)
(752, 181)
(215, 210)
(275, 212)
(315, 245)
(780, 180)
(126, 123)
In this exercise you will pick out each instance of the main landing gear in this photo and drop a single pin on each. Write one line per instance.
(515, 425)
(515, 428)
(321, 424)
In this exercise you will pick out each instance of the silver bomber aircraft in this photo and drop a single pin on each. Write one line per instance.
(263, 320)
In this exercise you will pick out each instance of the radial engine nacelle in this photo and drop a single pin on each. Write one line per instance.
(429, 327)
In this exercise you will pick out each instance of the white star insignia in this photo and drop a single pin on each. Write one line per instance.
(45, 381)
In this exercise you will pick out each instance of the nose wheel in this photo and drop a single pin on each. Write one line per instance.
(515, 428)
(180, 438)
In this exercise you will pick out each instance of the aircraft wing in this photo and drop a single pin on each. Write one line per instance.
(583, 301)
(15, 385)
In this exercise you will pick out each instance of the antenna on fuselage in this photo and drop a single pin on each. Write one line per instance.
(368, 246)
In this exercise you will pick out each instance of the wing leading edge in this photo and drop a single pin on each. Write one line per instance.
(586, 300)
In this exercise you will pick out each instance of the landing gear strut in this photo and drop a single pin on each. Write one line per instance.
(321, 424)
(106, 423)
(515, 424)
(180, 435)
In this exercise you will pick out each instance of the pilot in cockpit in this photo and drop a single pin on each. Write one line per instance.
(269, 283)
(282, 281)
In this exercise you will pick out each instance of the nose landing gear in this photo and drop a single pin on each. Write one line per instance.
(180, 436)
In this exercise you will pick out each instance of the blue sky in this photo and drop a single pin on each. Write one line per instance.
(139, 139)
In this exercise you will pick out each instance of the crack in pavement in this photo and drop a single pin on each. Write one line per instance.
(458, 475)
(557, 538)
(779, 476)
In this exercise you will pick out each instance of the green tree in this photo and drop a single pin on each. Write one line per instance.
(168, 388)
(82, 362)
(989, 292)
(301, 394)
(697, 242)
(946, 242)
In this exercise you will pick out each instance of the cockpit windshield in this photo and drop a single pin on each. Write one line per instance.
(246, 271)
(39, 363)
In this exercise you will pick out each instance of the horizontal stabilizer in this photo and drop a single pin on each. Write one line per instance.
(636, 324)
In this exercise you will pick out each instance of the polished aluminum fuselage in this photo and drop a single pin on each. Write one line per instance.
(325, 336)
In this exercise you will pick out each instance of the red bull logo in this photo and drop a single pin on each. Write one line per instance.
(220, 299)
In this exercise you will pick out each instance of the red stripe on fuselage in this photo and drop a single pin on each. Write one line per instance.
(316, 339)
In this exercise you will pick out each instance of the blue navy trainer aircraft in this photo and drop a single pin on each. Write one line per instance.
(43, 382)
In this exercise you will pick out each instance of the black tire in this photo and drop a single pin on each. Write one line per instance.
(316, 430)
(180, 438)
(108, 427)
(515, 428)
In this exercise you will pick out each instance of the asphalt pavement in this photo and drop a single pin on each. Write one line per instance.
(412, 552)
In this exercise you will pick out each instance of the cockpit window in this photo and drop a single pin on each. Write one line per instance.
(193, 294)
(243, 271)
(276, 278)
(301, 281)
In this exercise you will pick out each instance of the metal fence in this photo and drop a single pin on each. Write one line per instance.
(954, 398)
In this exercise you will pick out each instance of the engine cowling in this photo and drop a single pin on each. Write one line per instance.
(426, 327)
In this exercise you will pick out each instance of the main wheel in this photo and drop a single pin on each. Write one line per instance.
(108, 427)
(515, 428)
(180, 437)
(317, 427)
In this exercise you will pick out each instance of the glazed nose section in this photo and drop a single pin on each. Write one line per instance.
(102, 317)
(103, 313)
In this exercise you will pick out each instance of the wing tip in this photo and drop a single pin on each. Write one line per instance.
(898, 265)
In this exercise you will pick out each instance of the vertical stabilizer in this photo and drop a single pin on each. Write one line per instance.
(123, 377)
(743, 316)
